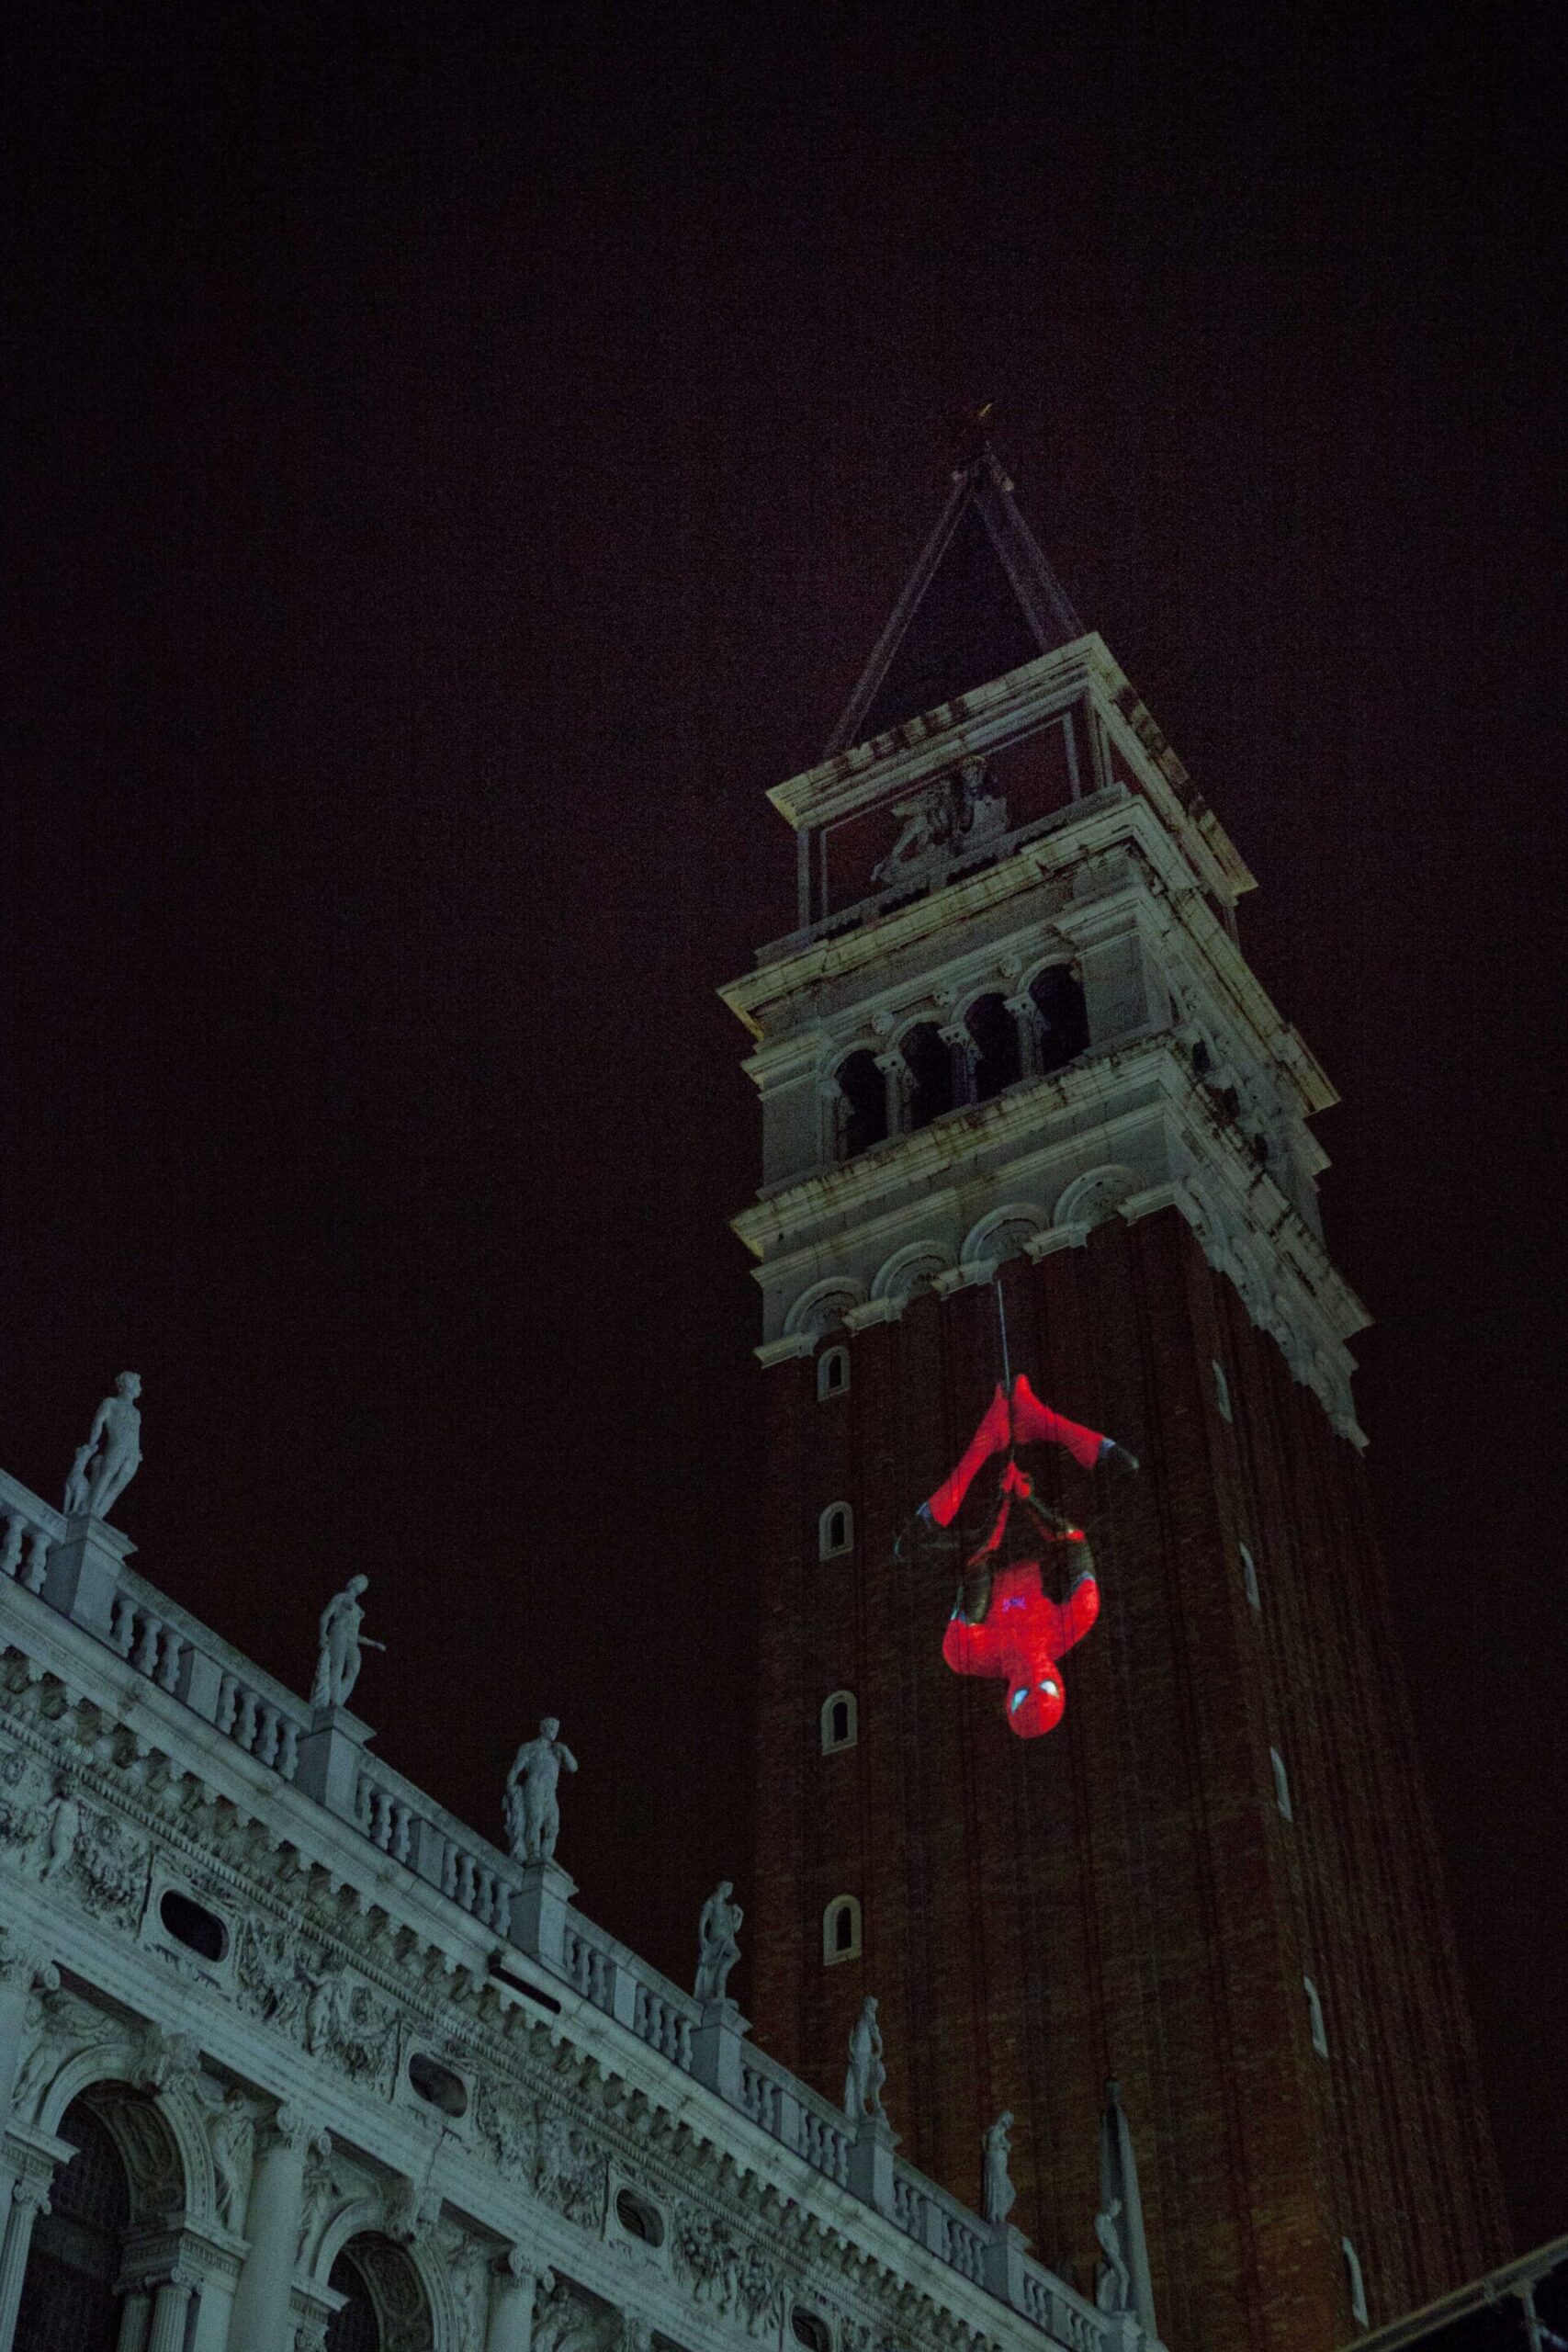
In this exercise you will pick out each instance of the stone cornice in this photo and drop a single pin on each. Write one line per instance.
(164, 1789)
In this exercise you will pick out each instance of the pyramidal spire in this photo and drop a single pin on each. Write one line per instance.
(982, 600)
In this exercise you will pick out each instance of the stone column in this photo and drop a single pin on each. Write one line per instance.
(261, 2317)
(1026, 1013)
(895, 1078)
(170, 2305)
(964, 1054)
(513, 2284)
(135, 2313)
(29, 2197)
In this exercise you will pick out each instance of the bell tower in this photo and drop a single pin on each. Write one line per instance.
(1013, 1055)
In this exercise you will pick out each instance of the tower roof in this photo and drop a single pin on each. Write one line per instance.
(982, 600)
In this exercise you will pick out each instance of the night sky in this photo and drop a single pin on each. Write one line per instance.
(457, 461)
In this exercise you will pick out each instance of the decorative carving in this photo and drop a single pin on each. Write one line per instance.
(231, 2139)
(569, 2322)
(999, 2193)
(946, 821)
(113, 1861)
(531, 1805)
(321, 2195)
(1112, 2279)
(151, 2158)
(509, 2125)
(64, 1827)
(338, 1659)
(57, 2028)
(395, 2292)
(105, 1465)
(354, 2028)
(412, 2212)
(570, 2172)
(725, 2274)
(718, 1947)
(273, 1985)
(164, 2061)
(863, 2084)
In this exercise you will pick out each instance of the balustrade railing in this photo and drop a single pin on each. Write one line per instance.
(179, 1655)
(824, 2144)
(259, 1725)
(660, 2019)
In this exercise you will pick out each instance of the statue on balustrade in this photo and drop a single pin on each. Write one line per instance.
(863, 2084)
(105, 1465)
(338, 1660)
(999, 2193)
(718, 1948)
(531, 1805)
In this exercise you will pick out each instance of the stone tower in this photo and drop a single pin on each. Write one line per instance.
(1013, 1054)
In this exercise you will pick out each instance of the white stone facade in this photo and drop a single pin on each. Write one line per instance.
(313, 2012)
(1192, 1090)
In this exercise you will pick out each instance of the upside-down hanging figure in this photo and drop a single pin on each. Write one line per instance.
(1002, 1623)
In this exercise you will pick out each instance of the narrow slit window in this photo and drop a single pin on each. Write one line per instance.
(840, 1722)
(1221, 1391)
(835, 1531)
(841, 1931)
(1358, 2284)
(1249, 1578)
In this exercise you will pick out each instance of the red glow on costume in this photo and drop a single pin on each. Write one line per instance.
(1019, 1635)
(1022, 1422)
(1021, 1639)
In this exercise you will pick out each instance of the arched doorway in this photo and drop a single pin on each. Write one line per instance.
(386, 2310)
(355, 2327)
(68, 2299)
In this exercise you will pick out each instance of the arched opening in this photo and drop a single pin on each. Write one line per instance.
(861, 1103)
(386, 2303)
(68, 2299)
(832, 1373)
(354, 2328)
(927, 1057)
(1064, 1020)
(835, 1530)
(998, 1060)
(841, 1931)
(839, 1721)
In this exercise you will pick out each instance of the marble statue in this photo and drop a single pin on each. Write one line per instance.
(232, 2137)
(64, 1827)
(863, 2084)
(105, 1465)
(1114, 2281)
(533, 1809)
(338, 1661)
(717, 1947)
(999, 2193)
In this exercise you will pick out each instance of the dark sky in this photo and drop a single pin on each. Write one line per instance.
(458, 460)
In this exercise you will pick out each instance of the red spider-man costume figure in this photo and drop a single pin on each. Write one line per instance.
(1003, 1625)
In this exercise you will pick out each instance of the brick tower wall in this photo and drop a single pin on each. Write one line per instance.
(1124, 1897)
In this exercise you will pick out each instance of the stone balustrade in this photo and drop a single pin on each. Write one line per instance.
(182, 1659)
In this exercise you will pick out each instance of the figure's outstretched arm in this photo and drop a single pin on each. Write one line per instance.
(568, 1758)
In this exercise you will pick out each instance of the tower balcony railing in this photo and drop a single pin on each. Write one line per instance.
(77, 1570)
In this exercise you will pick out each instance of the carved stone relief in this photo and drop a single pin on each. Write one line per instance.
(569, 2172)
(726, 2274)
(509, 2124)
